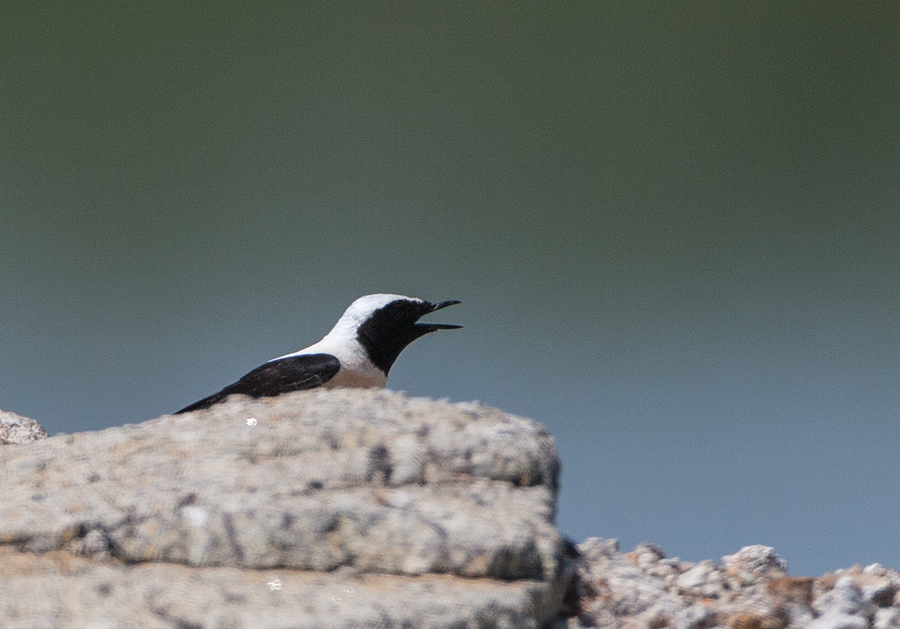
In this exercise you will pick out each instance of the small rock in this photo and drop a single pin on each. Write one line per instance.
(694, 617)
(886, 618)
(696, 576)
(880, 593)
(750, 620)
(791, 590)
(756, 559)
(844, 598)
(594, 548)
(839, 620)
(15, 429)
(661, 614)
(646, 554)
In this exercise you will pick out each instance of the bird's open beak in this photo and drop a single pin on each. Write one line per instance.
(431, 327)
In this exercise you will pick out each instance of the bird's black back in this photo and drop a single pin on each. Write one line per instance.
(283, 375)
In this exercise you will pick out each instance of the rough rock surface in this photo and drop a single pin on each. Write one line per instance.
(17, 429)
(316, 509)
(355, 509)
(747, 590)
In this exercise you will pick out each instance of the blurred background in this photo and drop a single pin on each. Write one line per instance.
(674, 228)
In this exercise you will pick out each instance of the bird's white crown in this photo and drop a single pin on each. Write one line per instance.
(362, 309)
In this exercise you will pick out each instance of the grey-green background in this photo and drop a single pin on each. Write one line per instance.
(674, 228)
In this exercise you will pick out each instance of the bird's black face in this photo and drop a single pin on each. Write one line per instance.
(394, 326)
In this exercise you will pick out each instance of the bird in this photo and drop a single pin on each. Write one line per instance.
(358, 352)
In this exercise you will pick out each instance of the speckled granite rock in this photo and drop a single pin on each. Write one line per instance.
(15, 429)
(410, 503)
(58, 590)
(747, 590)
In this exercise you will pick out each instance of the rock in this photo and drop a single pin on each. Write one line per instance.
(750, 620)
(791, 590)
(361, 506)
(356, 509)
(756, 559)
(843, 597)
(699, 576)
(842, 607)
(17, 429)
(886, 618)
(694, 617)
(749, 590)
(839, 620)
(60, 590)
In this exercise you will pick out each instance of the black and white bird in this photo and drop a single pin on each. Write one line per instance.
(358, 352)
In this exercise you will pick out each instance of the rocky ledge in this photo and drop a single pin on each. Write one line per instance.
(355, 509)
(316, 509)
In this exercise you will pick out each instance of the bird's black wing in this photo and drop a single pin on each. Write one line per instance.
(292, 373)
